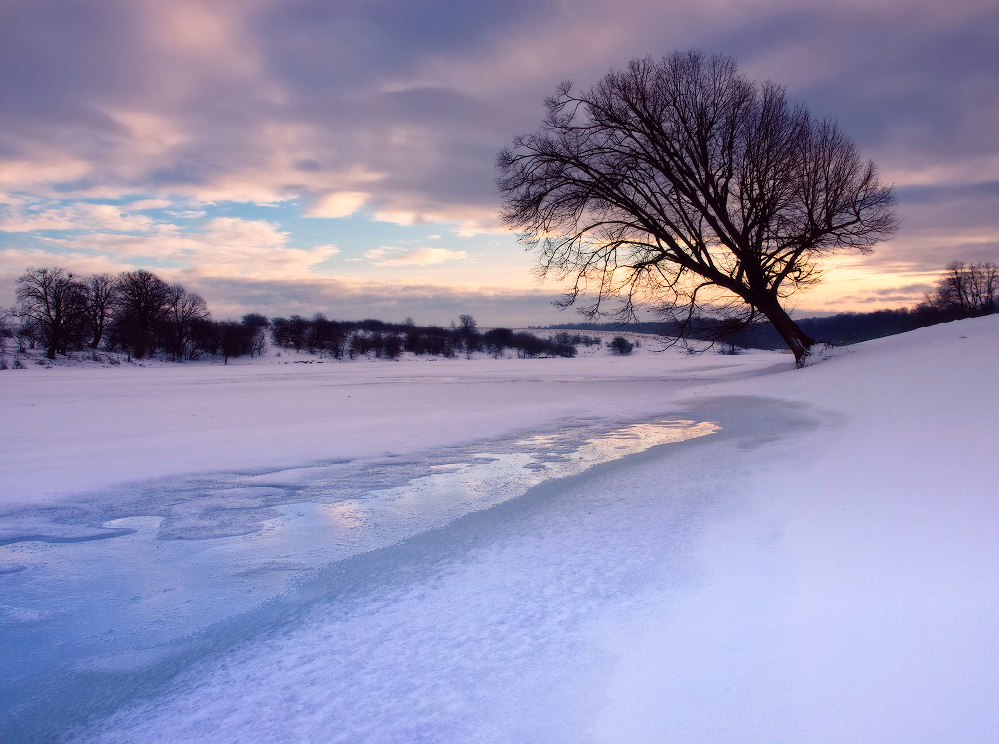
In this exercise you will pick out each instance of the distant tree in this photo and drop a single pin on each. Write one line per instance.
(528, 346)
(290, 332)
(576, 339)
(8, 330)
(967, 290)
(681, 183)
(256, 320)
(360, 344)
(621, 345)
(562, 345)
(414, 339)
(28, 333)
(438, 342)
(280, 332)
(327, 336)
(984, 282)
(315, 333)
(964, 290)
(392, 345)
(468, 332)
(236, 339)
(205, 339)
(141, 309)
(258, 344)
(185, 310)
(53, 302)
(497, 340)
(467, 324)
(8, 322)
(99, 295)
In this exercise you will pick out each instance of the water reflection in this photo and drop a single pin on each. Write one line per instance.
(634, 439)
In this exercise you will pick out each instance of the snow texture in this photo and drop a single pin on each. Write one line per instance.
(653, 548)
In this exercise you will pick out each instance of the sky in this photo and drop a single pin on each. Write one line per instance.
(302, 156)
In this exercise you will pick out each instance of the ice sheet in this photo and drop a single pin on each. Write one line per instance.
(134, 589)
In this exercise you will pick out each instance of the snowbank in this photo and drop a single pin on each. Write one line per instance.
(853, 593)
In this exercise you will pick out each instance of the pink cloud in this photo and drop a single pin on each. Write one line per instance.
(416, 257)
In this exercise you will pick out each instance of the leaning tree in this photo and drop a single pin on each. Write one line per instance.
(681, 184)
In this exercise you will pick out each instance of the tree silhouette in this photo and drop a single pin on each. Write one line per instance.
(142, 307)
(99, 296)
(186, 310)
(54, 302)
(681, 183)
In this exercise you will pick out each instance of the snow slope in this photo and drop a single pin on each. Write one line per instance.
(853, 595)
(820, 565)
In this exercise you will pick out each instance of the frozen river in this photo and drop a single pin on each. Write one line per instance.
(110, 595)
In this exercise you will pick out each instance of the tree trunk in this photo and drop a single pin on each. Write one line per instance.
(797, 340)
(98, 335)
(55, 340)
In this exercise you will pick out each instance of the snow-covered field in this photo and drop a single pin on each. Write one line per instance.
(604, 549)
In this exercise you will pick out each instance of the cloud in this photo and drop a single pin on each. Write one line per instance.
(395, 111)
(187, 214)
(338, 204)
(223, 246)
(919, 289)
(906, 295)
(390, 301)
(231, 296)
(80, 216)
(144, 204)
(426, 257)
(397, 256)
(14, 262)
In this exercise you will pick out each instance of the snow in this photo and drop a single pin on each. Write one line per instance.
(605, 549)
(861, 565)
(73, 430)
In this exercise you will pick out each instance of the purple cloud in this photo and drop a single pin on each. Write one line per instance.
(396, 110)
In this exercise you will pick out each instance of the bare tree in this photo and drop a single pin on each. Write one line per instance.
(967, 290)
(256, 320)
(8, 329)
(142, 306)
(468, 331)
(984, 282)
(52, 300)
(185, 310)
(99, 290)
(236, 339)
(681, 183)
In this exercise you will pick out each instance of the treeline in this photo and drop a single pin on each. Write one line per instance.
(349, 339)
(963, 291)
(139, 314)
(134, 312)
